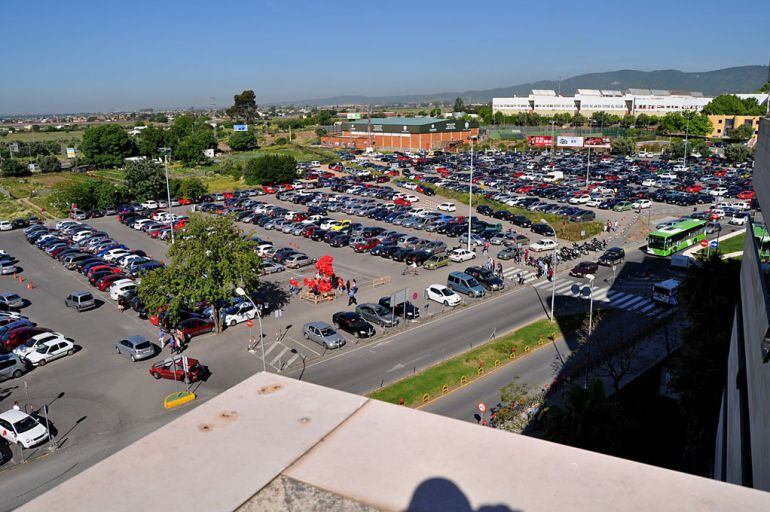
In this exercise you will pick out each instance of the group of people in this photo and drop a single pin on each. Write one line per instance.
(543, 264)
(611, 226)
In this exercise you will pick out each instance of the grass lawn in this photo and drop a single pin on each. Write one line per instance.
(431, 381)
(41, 136)
(734, 244)
(11, 209)
(300, 153)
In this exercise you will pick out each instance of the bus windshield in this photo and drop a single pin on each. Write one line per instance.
(656, 242)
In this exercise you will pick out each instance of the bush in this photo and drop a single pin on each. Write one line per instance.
(48, 163)
(13, 167)
(242, 141)
(270, 169)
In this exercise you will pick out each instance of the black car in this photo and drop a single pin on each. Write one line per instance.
(318, 234)
(521, 221)
(584, 268)
(503, 215)
(487, 278)
(402, 310)
(383, 250)
(484, 209)
(418, 256)
(339, 240)
(543, 230)
(612, 256)
(353, 323)
(400, 254)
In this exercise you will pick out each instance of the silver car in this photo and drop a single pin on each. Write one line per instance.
(135, 347)
(377, 314)
(12, 300)
(323, 334)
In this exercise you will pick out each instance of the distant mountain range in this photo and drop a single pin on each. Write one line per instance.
(710, 83)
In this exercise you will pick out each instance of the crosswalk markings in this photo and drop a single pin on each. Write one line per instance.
(278, 357)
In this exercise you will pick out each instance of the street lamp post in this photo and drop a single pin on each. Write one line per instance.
(591, 278)
(165, 152)
(470, 199)
(240, 291)
(553, 274)
(686, 140)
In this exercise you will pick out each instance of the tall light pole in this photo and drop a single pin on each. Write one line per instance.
(240, 291)
(165, 152)
(686, 139)
(591, 278)
(470, 198)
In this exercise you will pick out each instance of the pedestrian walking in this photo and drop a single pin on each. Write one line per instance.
(347, 285)
(16, 406)
(550, 274)
(499, 268)
(617, 225)
(414, 267)
(352, 297)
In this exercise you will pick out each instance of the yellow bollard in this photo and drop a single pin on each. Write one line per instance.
(444, 388)
(463, 380)
(425, 397)
(480, 370)
(526, 349)
(497, 363)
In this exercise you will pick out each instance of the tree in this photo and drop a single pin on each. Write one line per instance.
(459, 105)
(151, 140)
(244, 107)
(676, 148)
(628, 121)
(207, 264)
(191, 188)
(736, 153)
(732, 105)
(741, 134)
(191, 147)
(764, 89)
(88, 194)
(242, 141)
(708, 298)
(689, 122)
(48, 163)
(320, 132)
(106, 145)
(623, 146)
(643, 120)
(145, 180)
(435, 112)
(578, 120)
(13, 167)
(270, 169)
(601, 118)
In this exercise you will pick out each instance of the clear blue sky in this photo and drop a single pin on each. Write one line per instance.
(88, 55)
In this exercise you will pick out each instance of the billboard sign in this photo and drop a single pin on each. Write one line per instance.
(540, 141)
(240, 127)
(71, 153)
(570, 142)
(598, 142)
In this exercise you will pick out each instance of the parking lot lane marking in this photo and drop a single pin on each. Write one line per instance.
(271, 347)
(288, 363)
(561, 288)
(279, 356)
(298, 342)
(626, 304)
(647, 308)
(543, 284)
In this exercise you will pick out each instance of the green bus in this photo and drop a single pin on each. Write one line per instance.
(762, 238)
(677, 237)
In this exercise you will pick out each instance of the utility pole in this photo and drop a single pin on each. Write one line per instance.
(686, 138)
(470, 200)
(165, 152)
(213, 115)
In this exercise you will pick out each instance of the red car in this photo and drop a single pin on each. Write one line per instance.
(229, 195)
(309, 230)
(693, 189)
(402, 202)
(183, 201)
(747, 194)
(181, 368)
(382, 179)
(21, 335)
(268, 189)
(366, 245)
(105, 282)
(194, 326)
(99, 268)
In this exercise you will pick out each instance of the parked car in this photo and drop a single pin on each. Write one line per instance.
(460, 255)
(323, 334)
(180, 368)
(238, 313)
(135, 347)
(443, 295)
(466, 284)
(543, 230)
(21, 428)
(80, 301)
(377, 314)
(49, 351)
(298, 260)
(544, 244)
(194, 326)
(612, 256)
(11, 367)
(353, 323)
(402, 309)
(447, 207)
(37, 341)
(12, 300)
(436, 261)
(487, 278)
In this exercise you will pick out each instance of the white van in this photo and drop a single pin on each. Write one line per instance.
(666, 292)
(553, 177)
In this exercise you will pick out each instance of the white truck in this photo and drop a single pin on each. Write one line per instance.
(553, 177)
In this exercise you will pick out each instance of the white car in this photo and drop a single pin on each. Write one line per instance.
(138, 225)
(66, 223)
(738, 220)
(641, 204)
(460, 255)
(49, 351)
(150, 205)
(7, 268)
(81, 235)
(544, 244)
(121, 287)
(718, 192)
(124, 261)
(5, 225)
(238, 313)
(649, 183)
(264, 250)
(442, 295)
(446, 207)
(35, 342)
(594, 201)
(21, 428)
(581, 199)
(115, 254)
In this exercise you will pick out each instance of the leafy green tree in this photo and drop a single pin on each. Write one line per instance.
(110, 195)
(324, 117)
(13, 167)
(459, 105)
(320, 132)
(207, 263)
(191, 188)
(561, 119)
(578, 120)
(643, 120)
(48, 163)
(242, 141)
(623, 146)
(765, 88)
(741, 134)
(600, 118)
(677, 148)
(689, 122)
(106, 145)
(435, 112)
(628, 121)
(151, 140)
(145, 180)
(244, 107)
(732, 105)
(736, 153)
(191, 147)
(270, 169)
